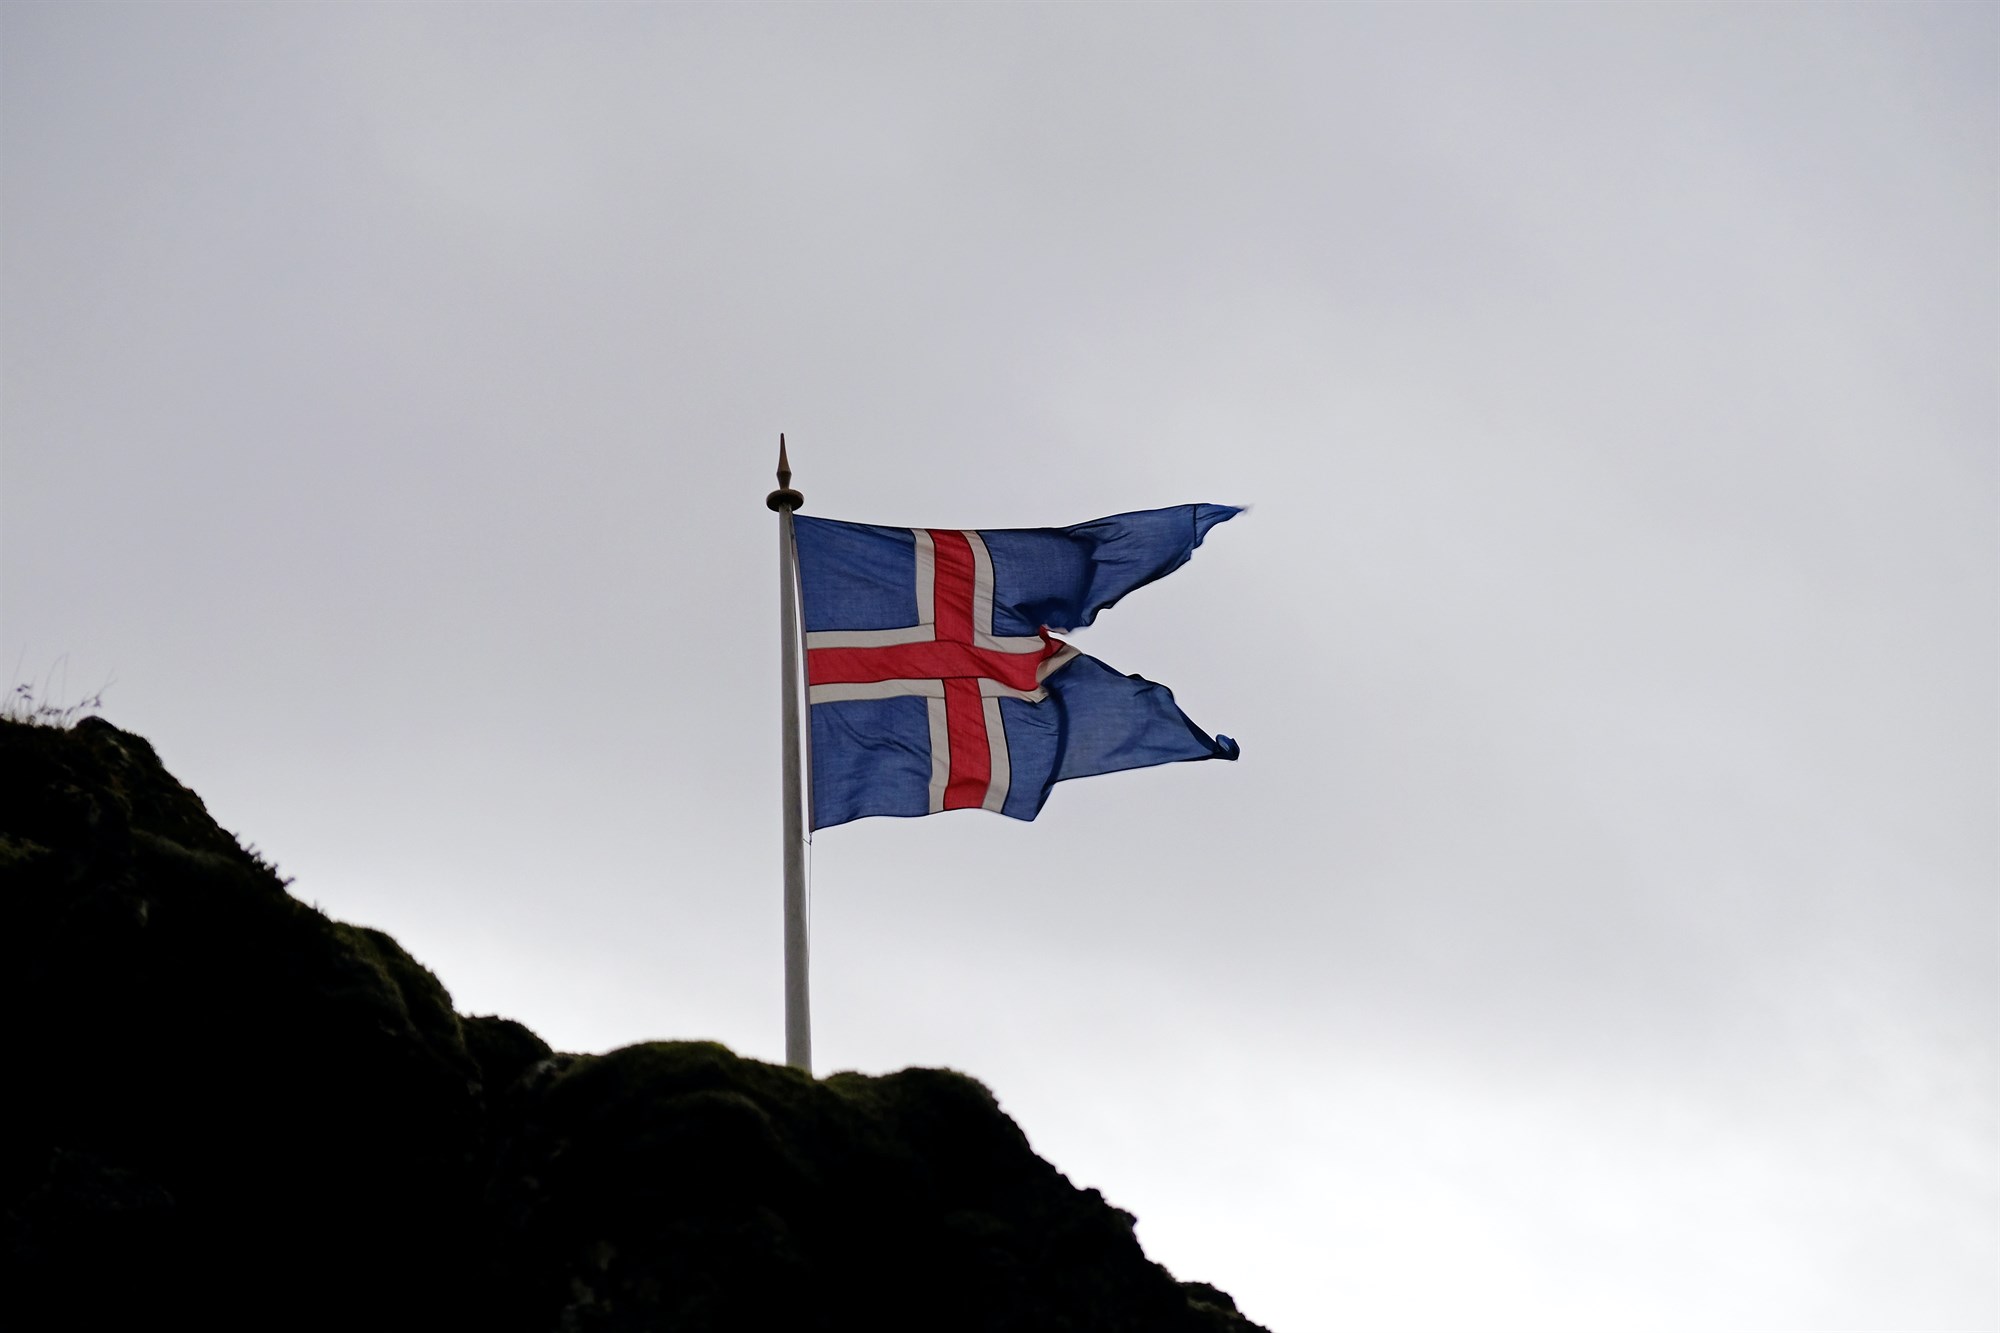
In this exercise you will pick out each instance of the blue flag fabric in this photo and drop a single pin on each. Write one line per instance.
(934, 677)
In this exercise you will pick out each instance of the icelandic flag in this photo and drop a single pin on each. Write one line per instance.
(935, 682)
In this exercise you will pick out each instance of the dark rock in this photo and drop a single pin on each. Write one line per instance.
(233, 1112)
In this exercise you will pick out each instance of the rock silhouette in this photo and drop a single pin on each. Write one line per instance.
(230, 1111)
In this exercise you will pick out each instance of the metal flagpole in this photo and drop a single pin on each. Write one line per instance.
(798, 998)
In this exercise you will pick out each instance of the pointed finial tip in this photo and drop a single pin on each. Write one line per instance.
(784, 498)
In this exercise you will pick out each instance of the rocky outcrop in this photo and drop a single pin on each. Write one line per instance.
(232, 1111)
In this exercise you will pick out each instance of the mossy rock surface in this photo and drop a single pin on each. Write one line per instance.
(236, 1113)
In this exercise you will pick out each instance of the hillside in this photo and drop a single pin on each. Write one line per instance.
(233, 1111)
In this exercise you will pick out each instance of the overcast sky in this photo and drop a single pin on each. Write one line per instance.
(1599, 931)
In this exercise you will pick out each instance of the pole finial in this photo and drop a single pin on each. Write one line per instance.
(784, 499)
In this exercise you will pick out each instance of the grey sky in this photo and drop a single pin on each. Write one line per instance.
(1600, 929)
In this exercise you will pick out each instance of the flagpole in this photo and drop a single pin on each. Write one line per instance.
(798, 998)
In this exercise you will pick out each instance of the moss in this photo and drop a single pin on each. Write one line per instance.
(19, 853)
(412, 990)
(149, 797)
(502, 1049)
(251, 1116)
(724, 1184)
